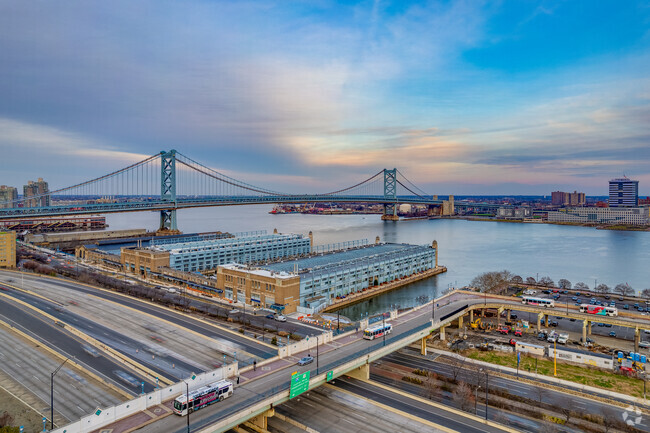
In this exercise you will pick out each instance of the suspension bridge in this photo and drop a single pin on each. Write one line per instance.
(169, 181)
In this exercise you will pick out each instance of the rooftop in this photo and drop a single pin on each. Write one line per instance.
(325, 260)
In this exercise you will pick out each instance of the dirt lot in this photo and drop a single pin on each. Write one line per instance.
(22, 414)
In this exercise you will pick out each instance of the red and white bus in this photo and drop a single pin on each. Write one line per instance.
(541, 302)
(202, 397)
(377, 331)
(599, 310)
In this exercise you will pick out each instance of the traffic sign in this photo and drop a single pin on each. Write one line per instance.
(299, 384)
(330, 375)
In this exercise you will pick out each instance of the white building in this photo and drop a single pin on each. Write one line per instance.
(602, 215)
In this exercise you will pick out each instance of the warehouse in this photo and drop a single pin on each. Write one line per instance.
(313, 282)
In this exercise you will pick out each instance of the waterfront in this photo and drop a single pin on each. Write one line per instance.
(467, 248)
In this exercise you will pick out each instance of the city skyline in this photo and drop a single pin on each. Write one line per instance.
(464, 98)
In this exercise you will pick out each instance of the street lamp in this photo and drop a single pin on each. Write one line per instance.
(316, 355)
(187, 403)
(383, 321)
(486, 392)
(52, 392)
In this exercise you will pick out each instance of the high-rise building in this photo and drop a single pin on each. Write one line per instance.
(7, 249)
(7, 196)
(574, 198)
(623, 192)
(36, 194)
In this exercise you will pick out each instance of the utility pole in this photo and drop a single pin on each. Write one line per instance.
(52, 392)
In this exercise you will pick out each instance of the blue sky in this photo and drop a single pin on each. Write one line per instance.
(468, 97)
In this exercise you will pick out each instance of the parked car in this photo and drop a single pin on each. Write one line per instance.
(577, 293)
(644, 344)
(601, 324)
(513, 316)
(566, 292)
(306, 360)
(270, 316)
(280, 318)
(636, 305)
(575, 298)
(547, 292)
(621, 299)
(612, 333)
(541, 336)
(626, 307)
(608, 325)
(553, 323)
(504, 330)
(641, 309)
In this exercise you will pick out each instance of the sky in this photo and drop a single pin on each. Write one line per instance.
(463, 97)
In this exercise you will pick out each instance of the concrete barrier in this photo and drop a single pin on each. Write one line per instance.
(104, 417)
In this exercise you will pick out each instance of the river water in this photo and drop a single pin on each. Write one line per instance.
(466, 248)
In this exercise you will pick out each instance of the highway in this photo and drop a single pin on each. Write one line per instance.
(330, 409)
(414, 407)
(441, 365)
(40, 284)
(55, 337)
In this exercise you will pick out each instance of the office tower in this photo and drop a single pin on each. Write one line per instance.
(623, 192)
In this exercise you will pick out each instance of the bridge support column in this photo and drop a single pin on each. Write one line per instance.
(637, 339)
(168, 192)
(361, 373)
(423, 346)
(546, 320)
(460, 322)
(261, 420)
(390, 193)
(471, 316)
(585, 325)
(499, 311)
(390, 213)
(589, 327)
(539, 322)
(508, 315)
(442, 333)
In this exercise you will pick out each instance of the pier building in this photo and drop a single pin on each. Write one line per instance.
(312, 283)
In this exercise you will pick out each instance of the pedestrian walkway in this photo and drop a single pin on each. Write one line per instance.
(139, 419)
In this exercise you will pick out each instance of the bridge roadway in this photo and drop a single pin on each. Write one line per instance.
(184, 203)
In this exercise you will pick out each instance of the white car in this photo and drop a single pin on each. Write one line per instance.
(644, 344)
(280, 318)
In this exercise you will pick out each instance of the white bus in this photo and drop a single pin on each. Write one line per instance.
(377, 331)
(599, 310)
(202, 397)
(548, 303)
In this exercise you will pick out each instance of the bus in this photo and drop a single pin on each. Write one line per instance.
(202, 397)
(599, 310)
(548, 303)
(377, 331)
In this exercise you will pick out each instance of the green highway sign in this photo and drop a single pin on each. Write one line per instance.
(299, 384)
(330, 375)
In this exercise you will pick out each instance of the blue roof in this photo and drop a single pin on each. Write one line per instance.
(324, 260)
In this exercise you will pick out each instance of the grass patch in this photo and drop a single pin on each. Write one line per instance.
(575, 373)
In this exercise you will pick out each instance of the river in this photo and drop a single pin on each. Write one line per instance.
(466, 248)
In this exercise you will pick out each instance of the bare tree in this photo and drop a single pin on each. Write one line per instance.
(602, 288)
(492, 282)
(546, 281)
(546, 427)
(609, 418)
(531, 281)
(645, 293)
(624, 289)
(564, 284)
(564, 406)
(517, 280)
(457, 366)
(431, 389)
(464, 396)
(581, 286)
(540, 393)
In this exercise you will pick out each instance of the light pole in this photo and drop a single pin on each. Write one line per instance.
(187, 402)
(52, 392)
(476, 400)
(383, 321)
(486, 392)
(317, 355)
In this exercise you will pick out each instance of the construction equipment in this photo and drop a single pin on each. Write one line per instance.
(476, 324)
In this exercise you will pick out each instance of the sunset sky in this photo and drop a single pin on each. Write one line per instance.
(464, 97)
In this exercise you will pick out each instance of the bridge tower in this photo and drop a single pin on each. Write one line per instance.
(168, 192)
(390, 193)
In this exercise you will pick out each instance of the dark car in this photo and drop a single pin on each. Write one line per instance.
(621, 299)
(641, 309)
(608, 325)
(626, 307)
(541, 336)
(612, 333)
(575, 298)
(601, 324)
(566, 292)
(513, 316)
(572, 319)
(607, 296)
(553, 323)
(270, 316)
(577, 293)
(547, 292)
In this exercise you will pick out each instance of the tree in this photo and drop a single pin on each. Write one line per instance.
(645, 293)
(624, 289)
(602, 288)
(464, 396)
(564, 284)
(581, 286)
(546, 282)
(609, 418)
(6, 419)
(540, 393)
(431, 389)
(457, 366)
(531, 281)
(565, 407)
(492, 282)
(517, 280)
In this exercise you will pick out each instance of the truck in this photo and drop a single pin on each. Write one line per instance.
(552, 337)
(563, 338)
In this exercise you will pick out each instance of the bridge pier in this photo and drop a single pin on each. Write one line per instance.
(361, 373)
(390, 213)
(261, 420)
(471, 316)
(546, 320)
(460, 322)
(589, 324)
(637, 339)
(539, 322)
(585, 325)
(508, 315)
(423, 346)
(442, 333)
